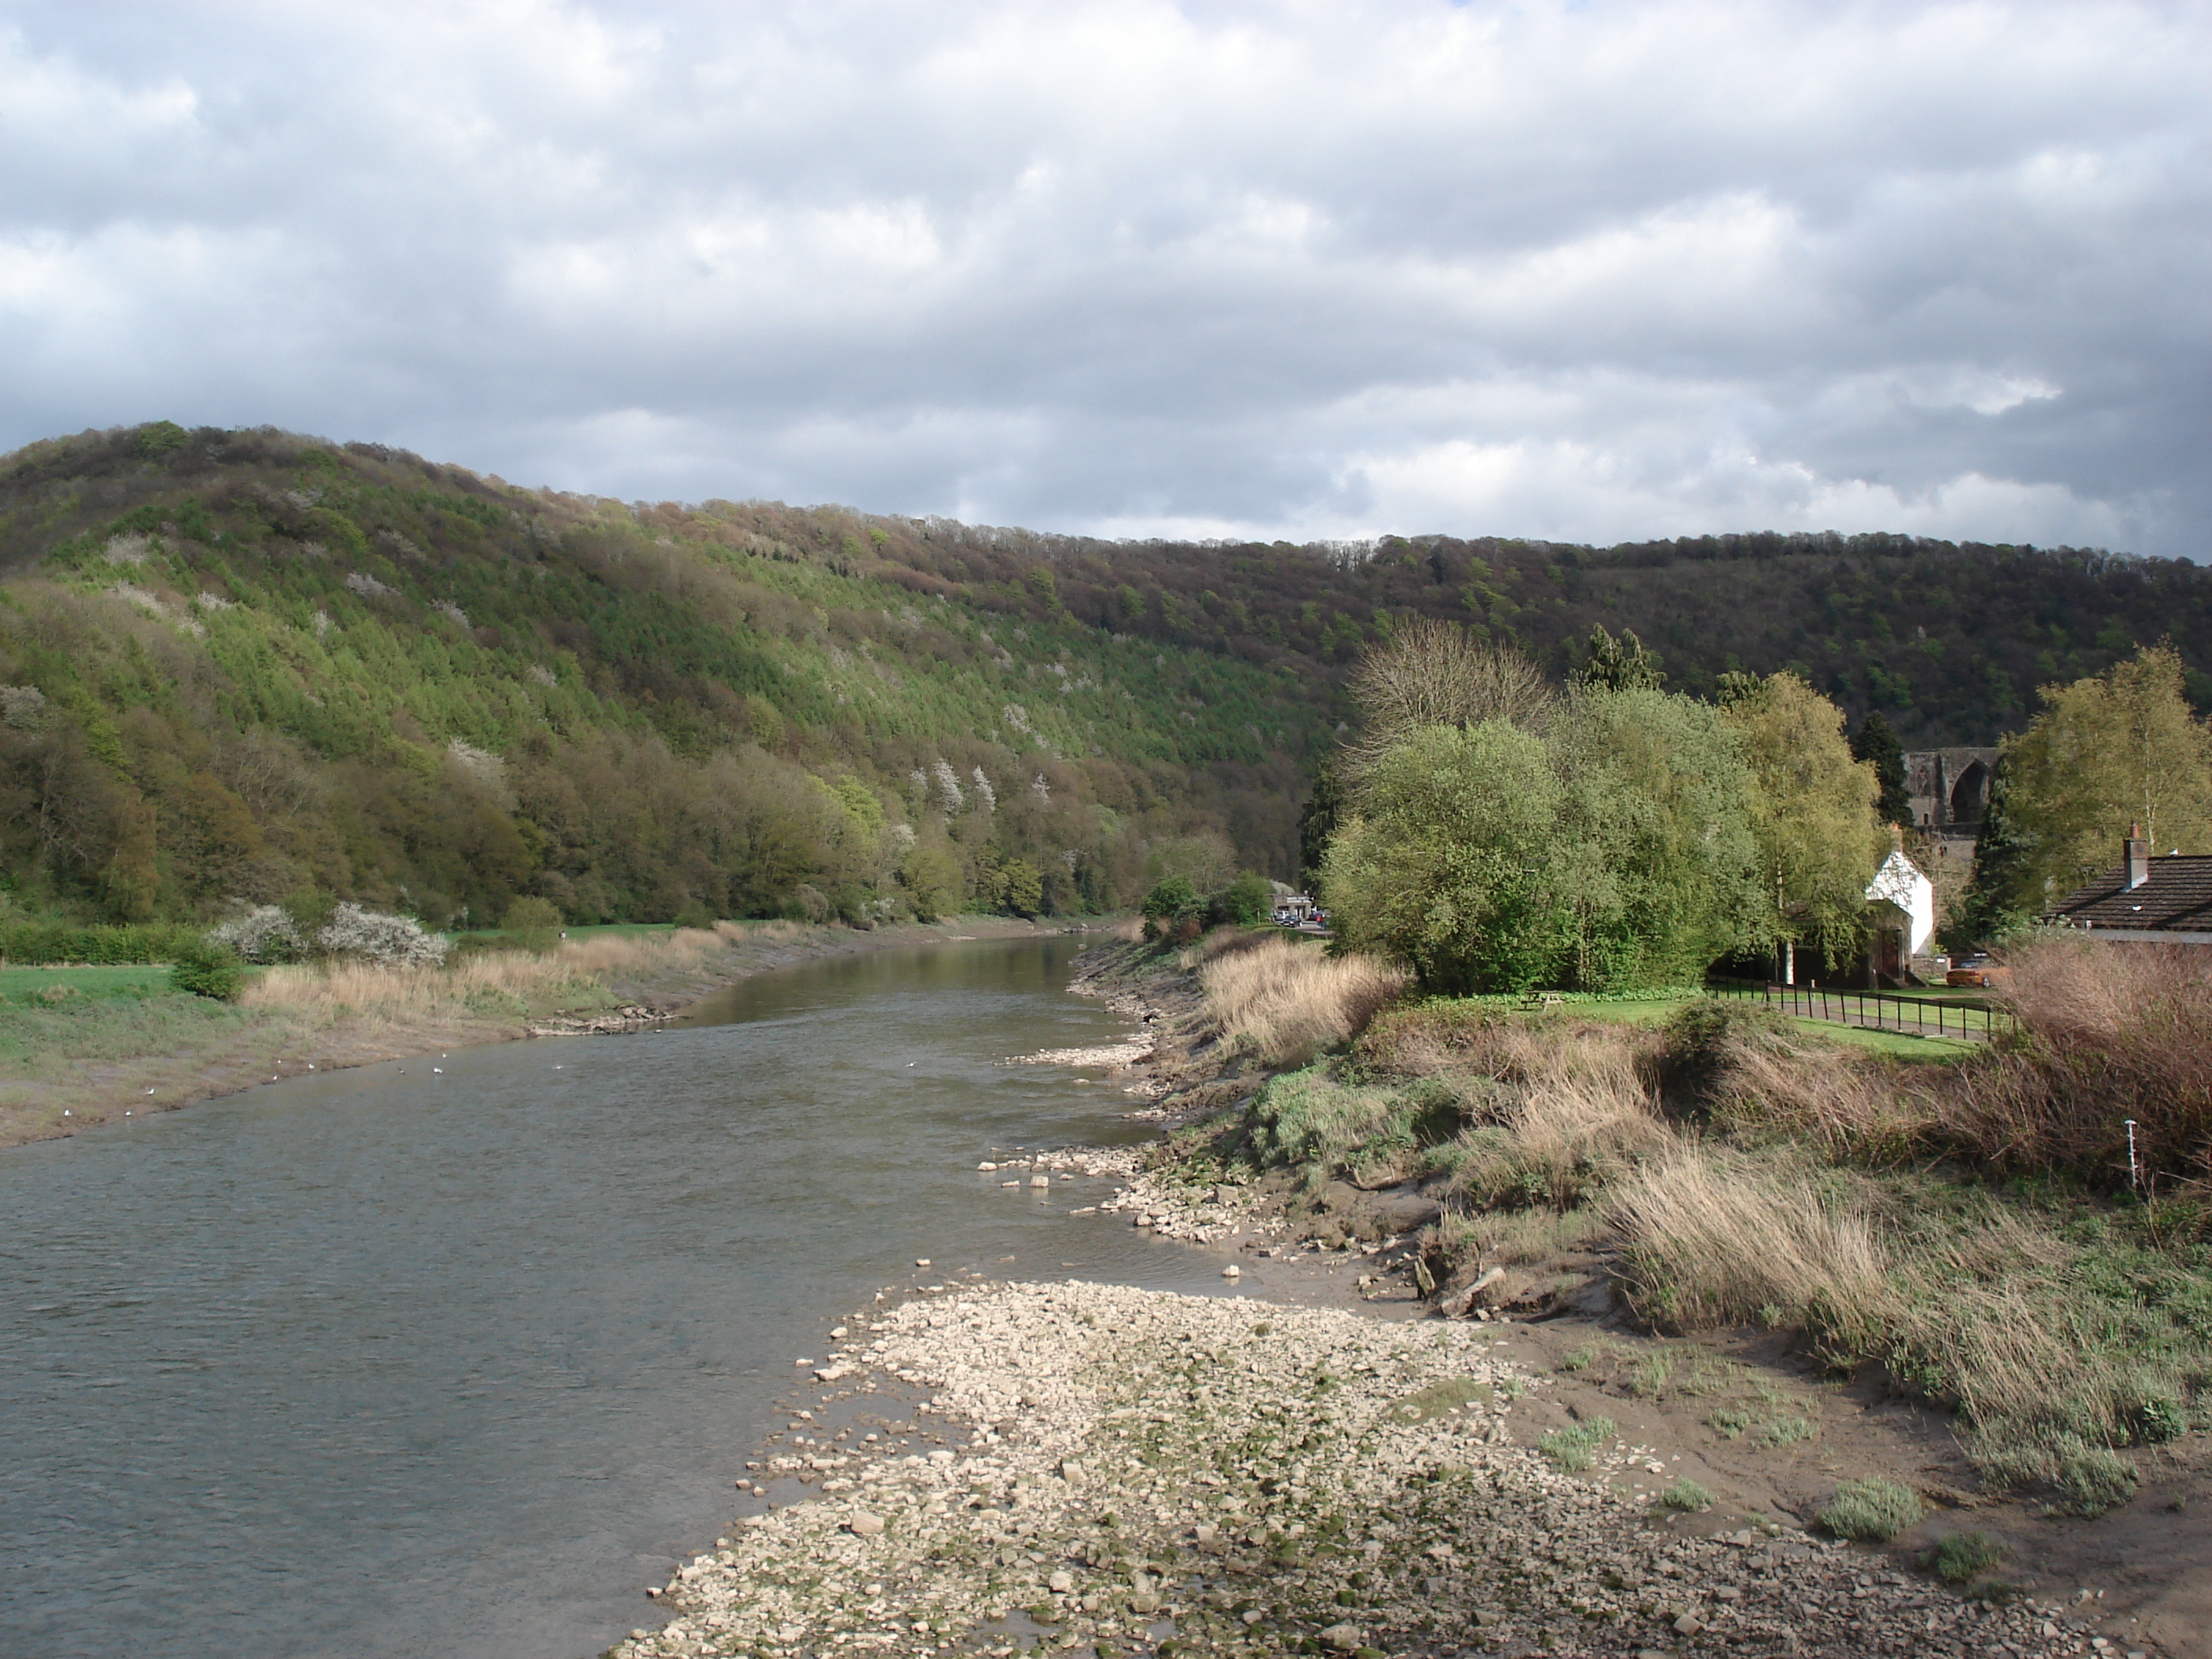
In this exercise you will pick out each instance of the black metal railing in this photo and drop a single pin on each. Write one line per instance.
(1877, 1011)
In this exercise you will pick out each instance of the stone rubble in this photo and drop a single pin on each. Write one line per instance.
(1243, 1479)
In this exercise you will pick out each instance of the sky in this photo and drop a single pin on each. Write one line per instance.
(1586, 272)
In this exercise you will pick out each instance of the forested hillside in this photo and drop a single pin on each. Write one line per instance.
(250, 665)
(1950, 641)
(246, 666)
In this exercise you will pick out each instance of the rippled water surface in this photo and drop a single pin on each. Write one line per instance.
(392, 1362)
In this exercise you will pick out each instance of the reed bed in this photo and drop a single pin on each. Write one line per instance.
(1283, 1001)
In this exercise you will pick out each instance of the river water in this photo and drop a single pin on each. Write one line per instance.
(398, 1361)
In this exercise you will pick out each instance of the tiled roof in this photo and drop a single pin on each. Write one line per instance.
(2177, 898)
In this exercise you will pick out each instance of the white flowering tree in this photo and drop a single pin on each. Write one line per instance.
(262, 935)
(373, 936)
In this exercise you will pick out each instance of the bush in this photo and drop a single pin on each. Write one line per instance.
(1245, 903)
(207, 967)
(1957, 1559)
(38, 943)
(373, 936)
(1170, 902)
(1874, 1511)
(1686, 1496)
(264, 934)
(532, 924)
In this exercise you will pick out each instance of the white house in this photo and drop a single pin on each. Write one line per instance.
(1901, 912)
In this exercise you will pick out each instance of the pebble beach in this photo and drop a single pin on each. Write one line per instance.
(1128, 1472)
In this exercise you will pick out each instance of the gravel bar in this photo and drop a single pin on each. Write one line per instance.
(1148, 1472)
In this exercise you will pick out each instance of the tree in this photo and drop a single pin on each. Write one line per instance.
(1451, 862)
(1430, 672)
(1658, 821)
(1318, 818)
(1621, 664)
(1876, 744)
(1244, 902)
(2004, 861)
(2118, 749)
(1813, 813)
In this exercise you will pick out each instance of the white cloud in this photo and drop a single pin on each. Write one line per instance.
(1576, 270)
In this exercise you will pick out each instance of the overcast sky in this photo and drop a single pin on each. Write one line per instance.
(1591, 271)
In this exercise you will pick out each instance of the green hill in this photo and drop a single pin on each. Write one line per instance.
(251, 665)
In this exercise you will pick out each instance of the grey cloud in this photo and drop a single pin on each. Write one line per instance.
(1579, 272)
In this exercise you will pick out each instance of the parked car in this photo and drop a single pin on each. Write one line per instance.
(1975, 970)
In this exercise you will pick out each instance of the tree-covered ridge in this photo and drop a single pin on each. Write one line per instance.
(1950, 641)
(251, 665)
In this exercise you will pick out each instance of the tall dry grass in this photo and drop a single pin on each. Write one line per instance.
(503, 980)
(1283, 1001)
(493, 982)
(1552, 1120)
(1710, 1239)
(2112, 1032)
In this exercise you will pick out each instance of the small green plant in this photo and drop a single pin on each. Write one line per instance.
(1686, 1496)
(1575, 1449)
(1783, 1431)
(1874, 1511)
(1728, 1423)
(1651, 1376)
(1580, 1359)
(208, 969)
(1962, 1556)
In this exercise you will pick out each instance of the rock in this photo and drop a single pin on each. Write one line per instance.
(1232, 1271)
(1040, 1181)
(1144, 1602)
(865, 1525)
(922, 1261)
(1688, 1625)
(1341, 1638)
(1224, 1194)
(1060, 1582)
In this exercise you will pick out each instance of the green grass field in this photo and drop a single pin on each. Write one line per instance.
(53, 988)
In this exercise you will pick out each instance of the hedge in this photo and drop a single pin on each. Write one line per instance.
(43, 944)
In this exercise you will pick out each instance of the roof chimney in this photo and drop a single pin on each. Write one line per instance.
(2138, 857)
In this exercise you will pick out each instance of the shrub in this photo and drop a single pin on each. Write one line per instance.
(207, 967)
(262, 935)
(1170, 902)
(373, 936)
(1958, 1558)
(1245, 903)
(532, 923)
(27, 943)
(1686, 1496)
(1874, 1511)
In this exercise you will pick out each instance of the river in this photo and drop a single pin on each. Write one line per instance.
(456, 1355)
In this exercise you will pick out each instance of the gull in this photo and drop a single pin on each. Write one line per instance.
(437, 1071)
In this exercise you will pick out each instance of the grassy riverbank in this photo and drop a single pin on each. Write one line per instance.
(1739, 1211)
(86, 1045)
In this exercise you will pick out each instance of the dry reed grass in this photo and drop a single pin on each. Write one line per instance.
(1709, 1239)
(1558, 1119)
(1283, 1001)
(478, 983)
(485, 982)
(2113, 1032)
